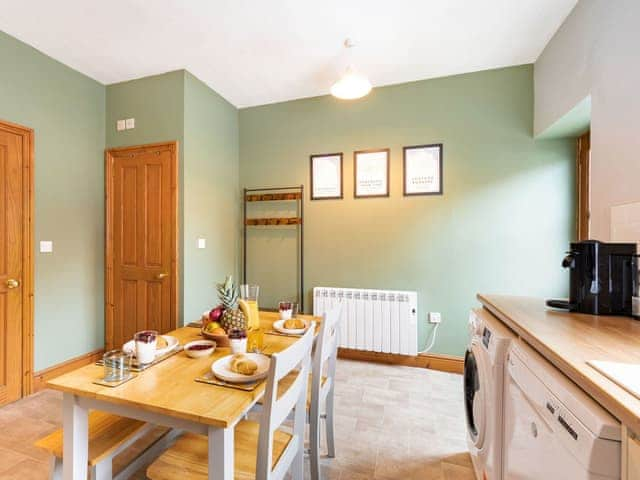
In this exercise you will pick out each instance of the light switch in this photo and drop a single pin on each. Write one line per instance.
(202, 243)
(46, 246)
(130, 123)
(121, 125)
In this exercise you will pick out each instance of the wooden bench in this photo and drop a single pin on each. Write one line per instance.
(109, 435)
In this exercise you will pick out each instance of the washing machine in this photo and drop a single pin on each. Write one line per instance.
(484, 368)
(553, 430)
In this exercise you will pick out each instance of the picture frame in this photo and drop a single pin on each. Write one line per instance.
(325, 171)
(422, 170)
(371, 173)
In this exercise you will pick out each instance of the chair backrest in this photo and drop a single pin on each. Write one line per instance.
(325, 356)
(295, 361)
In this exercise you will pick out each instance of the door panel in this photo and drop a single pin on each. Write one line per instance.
(11, 264)
(141, 241)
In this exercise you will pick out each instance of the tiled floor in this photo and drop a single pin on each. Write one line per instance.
(392, 423)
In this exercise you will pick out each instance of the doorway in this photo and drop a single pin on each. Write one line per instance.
(141, 261)
(16, 272)
(583, 181)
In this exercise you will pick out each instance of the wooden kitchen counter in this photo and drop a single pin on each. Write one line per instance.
(569, 340)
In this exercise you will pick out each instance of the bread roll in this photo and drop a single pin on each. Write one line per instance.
(243, 365)
(294, 324)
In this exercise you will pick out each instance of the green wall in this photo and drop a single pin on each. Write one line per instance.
(74, 120)
(211, 194)
(157, 104)
(178, 106)
(67, 112)
(501, 226)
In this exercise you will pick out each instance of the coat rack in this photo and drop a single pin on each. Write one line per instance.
(282, 194)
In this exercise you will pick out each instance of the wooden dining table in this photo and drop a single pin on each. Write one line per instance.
(165, 394)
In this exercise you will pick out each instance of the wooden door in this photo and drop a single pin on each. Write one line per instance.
(15, 245)
(583, 180)
(141, 250)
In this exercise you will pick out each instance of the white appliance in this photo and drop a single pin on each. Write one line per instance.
(483, 392)
(374, 320)
(552, 429)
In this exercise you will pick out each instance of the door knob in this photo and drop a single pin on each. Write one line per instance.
(13, 283)
(160, 276)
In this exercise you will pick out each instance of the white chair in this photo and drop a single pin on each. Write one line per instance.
(277, 451)
(323, 386)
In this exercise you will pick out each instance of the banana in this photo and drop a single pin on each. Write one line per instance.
(244, 308)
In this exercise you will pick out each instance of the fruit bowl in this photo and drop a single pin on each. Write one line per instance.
(221, 340)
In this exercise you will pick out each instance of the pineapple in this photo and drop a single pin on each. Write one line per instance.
(232, 316)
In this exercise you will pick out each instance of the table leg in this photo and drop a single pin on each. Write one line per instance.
(221, 453)
(75, 438)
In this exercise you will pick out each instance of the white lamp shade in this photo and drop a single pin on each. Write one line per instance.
(351, 86)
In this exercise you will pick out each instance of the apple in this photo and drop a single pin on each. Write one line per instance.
(212, 326)
(216, 314)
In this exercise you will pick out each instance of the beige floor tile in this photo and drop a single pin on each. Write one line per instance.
(405, 466)
(26, 470)
(392, 423)
(456, 472)
(10, 458)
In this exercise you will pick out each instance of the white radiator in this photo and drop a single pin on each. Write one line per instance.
(374, 320)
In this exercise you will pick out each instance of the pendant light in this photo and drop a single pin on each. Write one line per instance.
(352, 85)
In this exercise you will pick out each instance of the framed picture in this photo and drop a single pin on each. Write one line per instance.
(422, 170)
(326, 176)
(371, 173)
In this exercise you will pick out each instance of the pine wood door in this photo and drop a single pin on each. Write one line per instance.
(583, 180)
(141, 273)
(15, 154)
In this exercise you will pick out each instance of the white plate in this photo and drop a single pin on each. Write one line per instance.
(278, 327)
(220, 369)
(172, 342)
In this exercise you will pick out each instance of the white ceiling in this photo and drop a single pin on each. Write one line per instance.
(255, 52)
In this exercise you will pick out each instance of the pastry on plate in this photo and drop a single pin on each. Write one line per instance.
(243, 365)
(294, 324)
(161, 343)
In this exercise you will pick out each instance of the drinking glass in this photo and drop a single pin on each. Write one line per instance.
(238, 340)
(117, 365)
(287, 310)
(146, 342)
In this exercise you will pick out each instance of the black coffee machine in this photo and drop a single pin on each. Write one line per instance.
(603, 278)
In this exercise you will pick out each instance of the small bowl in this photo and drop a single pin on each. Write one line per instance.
(221, 340)
(204, 352)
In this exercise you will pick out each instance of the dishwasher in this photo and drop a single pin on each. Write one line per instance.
(552, 429)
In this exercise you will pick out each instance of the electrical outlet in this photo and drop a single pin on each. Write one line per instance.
(130, 123)
(121, 125)
(434, 317)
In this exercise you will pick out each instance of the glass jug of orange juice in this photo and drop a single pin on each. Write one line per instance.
(249, 293)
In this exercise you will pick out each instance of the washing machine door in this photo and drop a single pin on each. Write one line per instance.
(476, 378)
